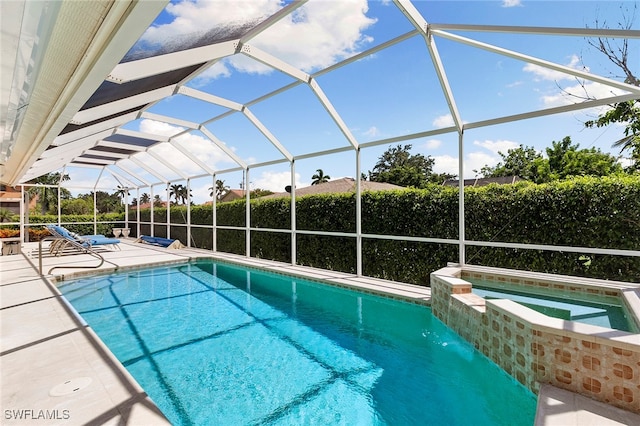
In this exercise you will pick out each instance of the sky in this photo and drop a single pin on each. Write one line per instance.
(391, 93)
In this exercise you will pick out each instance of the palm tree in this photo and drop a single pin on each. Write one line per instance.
(144, 198)
(47, 195)
(185, 194)
(219, 190)
(175, 191)
(319, 177)
(5, 215)
(157, 201)
(122, 192)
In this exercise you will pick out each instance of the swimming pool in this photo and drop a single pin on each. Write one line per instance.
(213, 343)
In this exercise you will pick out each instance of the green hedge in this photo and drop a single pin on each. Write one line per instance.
(82, 224)
(586, 212)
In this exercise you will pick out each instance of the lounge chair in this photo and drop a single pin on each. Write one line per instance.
(159, 241)
(64, 239)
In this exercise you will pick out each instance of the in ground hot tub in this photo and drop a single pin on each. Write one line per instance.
(600, 361)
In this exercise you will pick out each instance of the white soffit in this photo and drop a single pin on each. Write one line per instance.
(86, 42)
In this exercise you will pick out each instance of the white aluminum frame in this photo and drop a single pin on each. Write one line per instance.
(82, 141)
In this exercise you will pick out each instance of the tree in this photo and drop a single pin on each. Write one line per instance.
(523, 161)
(5, 215)
(48, 196)
(122, 193)
(319, 177)
(107, 203)
(175, 191)
(628, 112)
(145, 198)
(219, 190)
(589, 162)
(185, 194)
(398, 166)
(157, 201)
(257, 193)
(77, 206)
(564, 159)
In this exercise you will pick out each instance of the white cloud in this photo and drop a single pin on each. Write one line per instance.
(201, 192)
(542, 73)
(217, 70)
(443, 121)
(321, 35)
(625, 162)
(496, 146)
(201, 148)
(275, 181)
(579, 92)
(154, 127)
(511, 3)
(474, 160)
(197, 17)
(372, 132)
(445, 164)
(433, 144)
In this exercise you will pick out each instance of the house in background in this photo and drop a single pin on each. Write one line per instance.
(163, 205)
(10, 199)
(232, 195)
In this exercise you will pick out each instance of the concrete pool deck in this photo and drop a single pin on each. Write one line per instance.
(56, 371)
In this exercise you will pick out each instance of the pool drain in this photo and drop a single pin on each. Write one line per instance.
(70, 386)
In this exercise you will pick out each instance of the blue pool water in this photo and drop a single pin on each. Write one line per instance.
(217, 344)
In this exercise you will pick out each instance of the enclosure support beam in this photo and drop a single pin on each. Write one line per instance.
(294, 240)
(247, 211)
(461, 230)
(358, 216)
(188, 213)
(23, 210)
(214, 204)
(138, 212)
(168, 211)
(151, 230)
(95, 202)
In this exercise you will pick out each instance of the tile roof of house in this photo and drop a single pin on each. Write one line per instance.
(148, 205)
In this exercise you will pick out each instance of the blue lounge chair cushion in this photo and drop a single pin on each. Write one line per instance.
(159, 241)
(91, 240)
(98, 241)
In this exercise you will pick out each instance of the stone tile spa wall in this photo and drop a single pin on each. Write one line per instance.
(600, 363)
